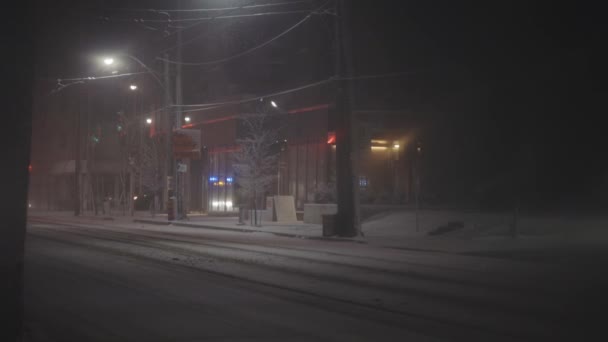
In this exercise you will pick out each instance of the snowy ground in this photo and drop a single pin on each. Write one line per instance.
(313, 289)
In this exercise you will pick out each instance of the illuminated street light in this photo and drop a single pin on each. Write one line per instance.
(396, 146)
(133, 87)
(187, 119)
(135, 198)
(149, 121)
(274, 104)
(108, 61)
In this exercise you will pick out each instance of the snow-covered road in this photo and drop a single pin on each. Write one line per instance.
(108, 281)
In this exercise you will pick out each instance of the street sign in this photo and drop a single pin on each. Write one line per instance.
(183, 168)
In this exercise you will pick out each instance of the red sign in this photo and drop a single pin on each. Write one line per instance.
(187, 143)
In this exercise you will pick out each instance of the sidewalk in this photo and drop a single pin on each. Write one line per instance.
(404, 238)
(295, 229)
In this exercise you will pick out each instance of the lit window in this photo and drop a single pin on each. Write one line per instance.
(363, 182)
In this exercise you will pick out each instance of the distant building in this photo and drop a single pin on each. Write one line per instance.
(307, 157)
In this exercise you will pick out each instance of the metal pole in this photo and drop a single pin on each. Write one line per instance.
(348, 223)
(170, 168)
(131, 194)
(77, 166)
(178, 120)
(141, 131)
(417, 206)
(417, 186)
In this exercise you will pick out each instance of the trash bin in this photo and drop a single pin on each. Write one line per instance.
(171, 209)
(329, 222)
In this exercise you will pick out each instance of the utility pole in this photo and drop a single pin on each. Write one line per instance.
(77, 148)
(77, 156)
(178, 176)
(170, 167)
(417, 185)
(140, 129)
(347, 223)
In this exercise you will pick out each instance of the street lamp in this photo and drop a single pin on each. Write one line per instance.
(274, 104)
(149, 121)
(133, 87)
(108, 61)
(187, 119)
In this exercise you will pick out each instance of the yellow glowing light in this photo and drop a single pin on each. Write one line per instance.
(379, 148)
(381, 142)
(220, 183)
(396, 146)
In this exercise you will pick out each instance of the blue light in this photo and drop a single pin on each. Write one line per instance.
(213, 179)
(229, 180)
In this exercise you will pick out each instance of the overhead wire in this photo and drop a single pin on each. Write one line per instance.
(168, 33)
(210, 9)
(82, 80)
(141, 20)
(91, 78)
(209, 106)
(214, 105)
(189, 41)
(250, 50)
(386, 75)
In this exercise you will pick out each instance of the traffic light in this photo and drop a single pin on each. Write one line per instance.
(96, 135)
(121, 125)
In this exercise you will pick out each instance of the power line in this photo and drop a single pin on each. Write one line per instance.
(81, 80)
(140, 20)
(209, 106)
(205, 33)
(209, 9)
(387, 75)
(213, 105)
(226, 59)
(229, 10)
(92, 78)
(246, 52)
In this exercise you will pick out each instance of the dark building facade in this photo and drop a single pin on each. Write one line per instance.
(306, 163)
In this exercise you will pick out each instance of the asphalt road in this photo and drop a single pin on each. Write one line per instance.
(88, 283)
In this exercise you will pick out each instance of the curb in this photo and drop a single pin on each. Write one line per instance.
(241, 230)
(193, 225)
(156, 222)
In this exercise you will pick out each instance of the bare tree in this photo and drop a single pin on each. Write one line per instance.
(255, 163)
(151, 169)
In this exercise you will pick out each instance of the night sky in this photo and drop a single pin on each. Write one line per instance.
(510, 95)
